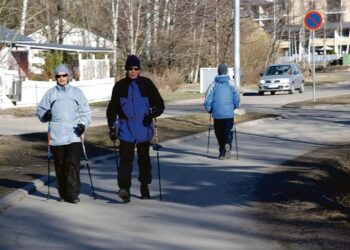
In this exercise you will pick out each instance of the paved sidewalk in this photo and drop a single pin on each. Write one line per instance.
(207, 203)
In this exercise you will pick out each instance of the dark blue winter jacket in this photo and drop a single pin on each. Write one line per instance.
(130, 106)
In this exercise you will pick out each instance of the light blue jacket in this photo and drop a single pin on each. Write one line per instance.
(221, 98)
(69, 107)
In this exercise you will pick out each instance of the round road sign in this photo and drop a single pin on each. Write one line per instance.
(313, 20)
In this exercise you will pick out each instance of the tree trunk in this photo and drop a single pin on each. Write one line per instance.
(200, 43)
(148, 31)
(155, 22)
(217, 43)
(24, 16)
(193, 48)
(60, 21)
(115, 16)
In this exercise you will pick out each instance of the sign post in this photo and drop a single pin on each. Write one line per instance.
(313, 20)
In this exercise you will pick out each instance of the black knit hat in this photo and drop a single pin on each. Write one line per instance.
(222, 69)
(132, 61)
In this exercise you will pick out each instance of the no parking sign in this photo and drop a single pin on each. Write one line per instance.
(313, 20)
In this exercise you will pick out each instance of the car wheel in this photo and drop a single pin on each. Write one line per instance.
(302, 88)
(291, 91)
(273, 92)
(261, 92)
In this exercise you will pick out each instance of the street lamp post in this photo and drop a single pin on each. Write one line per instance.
(237, 43)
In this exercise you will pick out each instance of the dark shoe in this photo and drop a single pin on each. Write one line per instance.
(145, 192)
(228, 151)
(60, 199)
(124, 195)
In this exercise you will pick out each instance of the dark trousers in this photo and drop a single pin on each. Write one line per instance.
(223, 132)
(67, 167)
(127, 150)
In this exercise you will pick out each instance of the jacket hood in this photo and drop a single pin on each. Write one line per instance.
(222, 79)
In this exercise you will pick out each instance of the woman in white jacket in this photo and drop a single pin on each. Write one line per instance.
(66, 109)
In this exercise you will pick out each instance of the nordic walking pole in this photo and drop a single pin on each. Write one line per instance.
(236, 142)
(157, 147)
(209, 127)
(48, 159)
(88, 167)
(116, 156)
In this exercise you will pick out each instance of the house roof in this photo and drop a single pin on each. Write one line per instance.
(9, 35)
(17, 40)
(64, 47)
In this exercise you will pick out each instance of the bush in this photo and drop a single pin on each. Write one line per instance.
(174, 78)
(171, 79)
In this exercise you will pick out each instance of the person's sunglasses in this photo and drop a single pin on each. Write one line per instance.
(133, 69)
(59, 76)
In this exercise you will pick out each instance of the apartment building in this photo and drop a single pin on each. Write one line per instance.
(284, 19)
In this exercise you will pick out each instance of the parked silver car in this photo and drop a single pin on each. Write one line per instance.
(281, 77)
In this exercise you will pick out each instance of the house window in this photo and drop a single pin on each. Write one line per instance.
(334, 5)
(333, 18)
(312, 5)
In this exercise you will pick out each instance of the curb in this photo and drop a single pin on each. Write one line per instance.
(18, 195)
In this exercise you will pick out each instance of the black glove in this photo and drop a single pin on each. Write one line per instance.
(113, 134)
(147, 120)
(79, 129)
(47, 117)
(155, 112)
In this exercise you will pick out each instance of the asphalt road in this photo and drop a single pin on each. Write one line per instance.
(250, 101)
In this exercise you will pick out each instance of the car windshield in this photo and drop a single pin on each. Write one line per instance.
(279, 70)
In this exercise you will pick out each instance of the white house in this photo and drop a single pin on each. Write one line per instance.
(72, 35)
(15, 63)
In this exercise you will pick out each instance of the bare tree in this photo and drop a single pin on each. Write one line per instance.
(24, 15)
(115, 16)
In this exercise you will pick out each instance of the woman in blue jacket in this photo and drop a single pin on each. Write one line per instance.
(135, 102)
(221, 100)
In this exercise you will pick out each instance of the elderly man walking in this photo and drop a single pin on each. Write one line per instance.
(221, 99)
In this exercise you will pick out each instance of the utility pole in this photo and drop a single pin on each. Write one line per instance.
(237, 44)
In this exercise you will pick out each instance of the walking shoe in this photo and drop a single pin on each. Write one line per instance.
(124, 195)
(75, 200)
(221, 157)
(60, 199)
(228, 151)
(145, 192)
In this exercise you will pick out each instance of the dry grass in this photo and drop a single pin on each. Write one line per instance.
(326, 78)
(339, 100)
(20, 112)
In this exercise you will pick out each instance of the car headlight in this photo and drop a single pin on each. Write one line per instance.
(262, 81)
